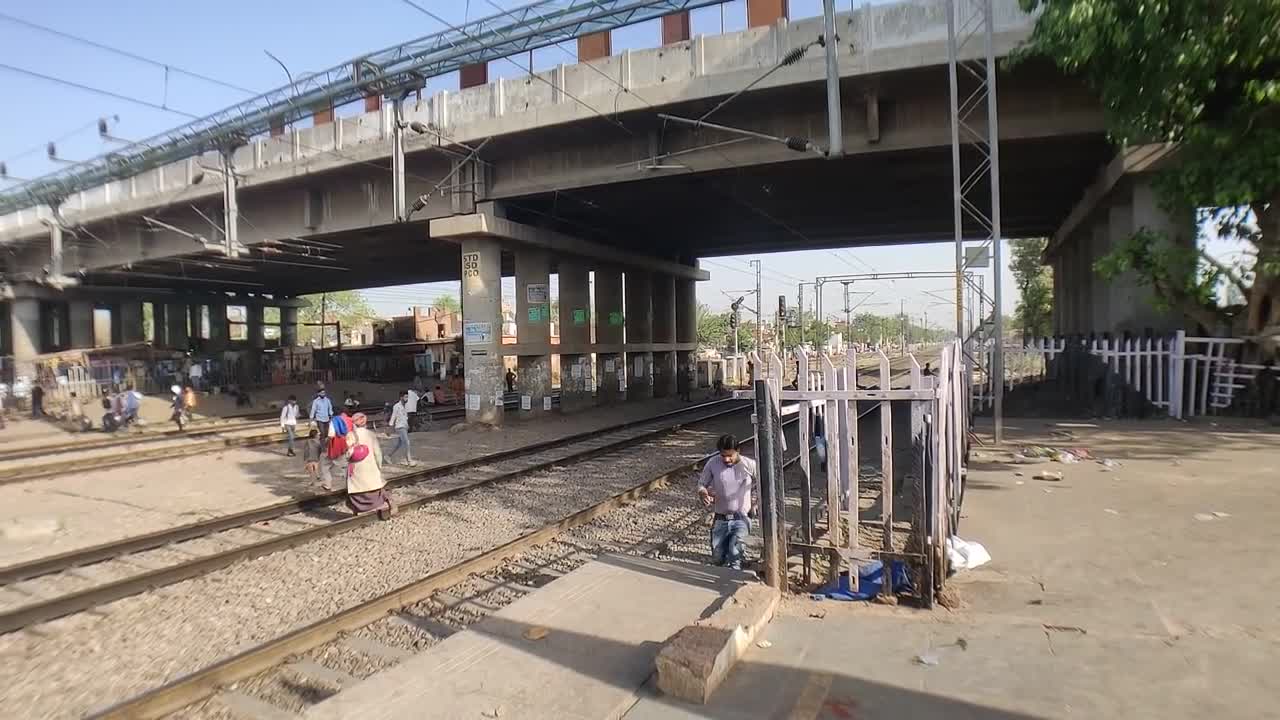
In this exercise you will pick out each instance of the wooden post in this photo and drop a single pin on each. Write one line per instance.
(886, 481)
(769, 461)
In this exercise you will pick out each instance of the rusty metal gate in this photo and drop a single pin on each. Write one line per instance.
(890, 490)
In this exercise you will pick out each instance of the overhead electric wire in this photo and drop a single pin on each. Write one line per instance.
(96, 90)
(124, 53)
(790, 58)
(555, 87)
(60, 138)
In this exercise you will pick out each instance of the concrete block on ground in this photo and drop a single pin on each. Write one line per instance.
(581, 647)
(694, 661)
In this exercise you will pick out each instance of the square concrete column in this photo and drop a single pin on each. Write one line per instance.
(1058, 324)
(130, 321)
(639, 319)
(482, 329)
(1100, 320)
(609, 330)
(576, 381)
(176, 323)
(217, 327)
(80, 318)
(289, 327)
(686, 320)
(1138, 301)
(24, 334)
(1084, 279)
(533, 328)
(159, 325)
(253, 323)
(664, 332)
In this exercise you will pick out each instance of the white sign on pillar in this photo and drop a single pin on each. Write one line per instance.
(526, 402)
(470, 266)
(546, 403)
(538, 293)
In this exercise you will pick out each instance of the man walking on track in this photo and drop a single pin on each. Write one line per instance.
(321, 412)
(400, 426)
(725, 485)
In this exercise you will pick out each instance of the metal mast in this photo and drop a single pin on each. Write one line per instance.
(975, 156)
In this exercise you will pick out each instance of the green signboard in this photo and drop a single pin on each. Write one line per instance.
(580, 316)
(615, 318)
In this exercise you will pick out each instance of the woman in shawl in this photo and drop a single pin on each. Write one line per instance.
(366, 489)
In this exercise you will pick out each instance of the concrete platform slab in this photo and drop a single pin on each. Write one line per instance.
(605, 623)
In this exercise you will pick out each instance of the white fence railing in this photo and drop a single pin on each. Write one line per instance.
(1187, 376)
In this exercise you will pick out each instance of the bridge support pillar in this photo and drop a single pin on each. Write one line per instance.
(686, 311)
(533, 329)
(25, 335)
(80, 320)
(253, 323)
(664, 333)
(1084, 302)
(288, 327)
(176, 326)
(639, 319)
(217, 327)
(482, 329)
(610, 363)
(576, 380)
(131, 321)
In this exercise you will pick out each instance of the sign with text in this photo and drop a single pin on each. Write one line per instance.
(580, 316)
(538, 294)
(470, 265)
(477, 333)
(615, 318)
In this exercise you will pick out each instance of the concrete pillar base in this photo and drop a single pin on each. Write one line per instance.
(482, 330)
(576, 383)
(131, 322)
(665, 374)
(80, 318)
(533, 383)
(612, 379)
(24, 315)
(639, 376)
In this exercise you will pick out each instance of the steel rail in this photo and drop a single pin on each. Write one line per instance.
(201, 684)
(30, 614)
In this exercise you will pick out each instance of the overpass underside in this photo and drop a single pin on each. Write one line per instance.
(637, 199)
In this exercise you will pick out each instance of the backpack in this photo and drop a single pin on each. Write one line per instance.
(338, 443)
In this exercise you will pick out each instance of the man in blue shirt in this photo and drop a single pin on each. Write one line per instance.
(725, 486)
(321, 412)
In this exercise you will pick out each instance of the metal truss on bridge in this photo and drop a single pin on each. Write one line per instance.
(391, 71)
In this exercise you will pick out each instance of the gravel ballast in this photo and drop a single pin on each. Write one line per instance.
(71, 666)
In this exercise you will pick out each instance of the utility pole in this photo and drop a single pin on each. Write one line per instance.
(800, 309)
(835, 130)
(759, 317)
(902, 323)
(848, 326)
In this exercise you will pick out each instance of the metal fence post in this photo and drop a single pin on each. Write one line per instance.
(769, 464)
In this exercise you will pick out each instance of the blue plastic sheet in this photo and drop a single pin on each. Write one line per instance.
(870, 581)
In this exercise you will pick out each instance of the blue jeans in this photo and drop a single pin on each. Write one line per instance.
(290, 433)
(402, 440)
(727, 537)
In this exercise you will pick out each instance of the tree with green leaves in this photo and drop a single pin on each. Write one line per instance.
(714, 332)
(446, 303)
(1205, 76)
(1034, 313)
(347, 307)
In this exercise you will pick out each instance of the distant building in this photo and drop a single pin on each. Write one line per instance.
(422, 325)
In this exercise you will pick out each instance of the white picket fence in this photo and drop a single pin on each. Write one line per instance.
(1188, 376)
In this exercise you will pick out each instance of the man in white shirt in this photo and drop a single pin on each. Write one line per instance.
(400, 426)
(411, 406)
(289, 422)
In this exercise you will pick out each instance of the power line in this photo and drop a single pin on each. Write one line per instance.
(95, 90)
(555, 87)
(37, 148)
(124, 53)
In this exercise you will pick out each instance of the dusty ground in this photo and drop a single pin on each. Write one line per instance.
(44, 517)
(1112, 594)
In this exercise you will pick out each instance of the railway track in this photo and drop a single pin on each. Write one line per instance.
(138, 448)
(298, 668)
(76, 581)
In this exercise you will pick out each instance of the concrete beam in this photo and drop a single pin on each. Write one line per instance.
(486, 224)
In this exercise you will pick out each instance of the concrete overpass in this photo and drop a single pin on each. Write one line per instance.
(579, 174)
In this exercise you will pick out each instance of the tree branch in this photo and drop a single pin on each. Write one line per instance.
(1231, 274)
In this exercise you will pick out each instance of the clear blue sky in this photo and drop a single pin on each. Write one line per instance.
(226, 40)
